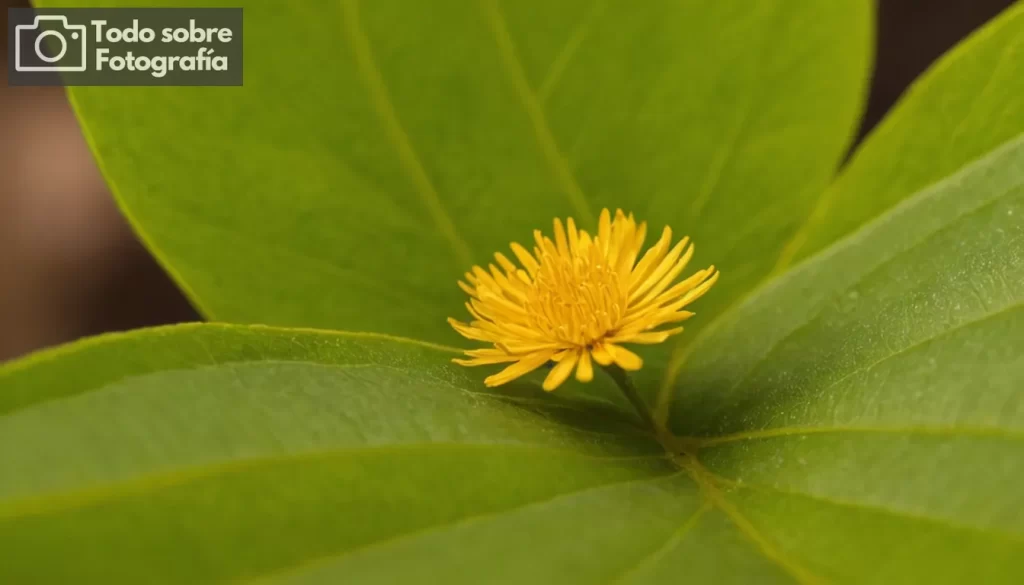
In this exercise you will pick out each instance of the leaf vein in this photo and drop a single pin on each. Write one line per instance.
(725, 153)
(528, 99)
(958, 130)
(892, 354)
(673, 540)
(893, 512)
(681, 353)
(704, 478)
(465, 521)
(64, 501)
(782, 432)
(569, 50)
(359, 44)
(888, 125)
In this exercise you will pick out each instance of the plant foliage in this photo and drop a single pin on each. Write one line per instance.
(849, 401)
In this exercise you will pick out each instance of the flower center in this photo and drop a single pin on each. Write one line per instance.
(576, 300)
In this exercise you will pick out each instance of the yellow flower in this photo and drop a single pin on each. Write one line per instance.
(578, 297)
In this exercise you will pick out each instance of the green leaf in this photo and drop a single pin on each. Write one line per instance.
(870, 400)
(860, 420)
(380, 148)
(217, 452)
(967, 104)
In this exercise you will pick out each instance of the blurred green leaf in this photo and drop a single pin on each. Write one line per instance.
(378, 149)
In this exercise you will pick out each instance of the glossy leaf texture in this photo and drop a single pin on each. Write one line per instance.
(209, 452)
(868, 404)
(966, 105)
(290, 456)
(378, 149)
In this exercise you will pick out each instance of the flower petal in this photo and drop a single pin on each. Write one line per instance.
(486, 361)
(698, 292)
(469, 290)
(647, 338)
(574, 237)
(601, 355)
(650, 259)
(604, 229)
(560, 240)
(585, 371)
(561, 371)
(505, 263)
(525, 258)
(577, 298)
(668, 278)
(520, 368)
(625, 359)
(467, 331)
(669, 265)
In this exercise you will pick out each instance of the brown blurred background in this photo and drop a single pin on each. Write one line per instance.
(70, 266)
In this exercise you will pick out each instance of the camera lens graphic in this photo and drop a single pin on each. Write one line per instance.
(63, 45)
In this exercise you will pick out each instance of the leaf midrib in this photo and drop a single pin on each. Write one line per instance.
(410, 161)
(62, 501)
(705, 479)
(528, 99)
(673, 540)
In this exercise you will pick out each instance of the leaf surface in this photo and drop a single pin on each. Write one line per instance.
(380, 148)
(873, 394)
(272, 449)
(873, 435)
(966, 105)
(857, 420)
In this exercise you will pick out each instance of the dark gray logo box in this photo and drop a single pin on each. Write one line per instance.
(80, 47)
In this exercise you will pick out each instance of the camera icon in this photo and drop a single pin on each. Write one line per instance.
(63, 35)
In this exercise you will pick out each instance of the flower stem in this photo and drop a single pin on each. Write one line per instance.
(626, 385)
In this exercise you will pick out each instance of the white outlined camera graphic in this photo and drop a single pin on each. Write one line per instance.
(62, 32)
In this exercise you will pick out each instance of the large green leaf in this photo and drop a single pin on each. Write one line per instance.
(964, 106)
(379, 147)
(277, 448)
(885, 311)
(876, 391)
(859, 421)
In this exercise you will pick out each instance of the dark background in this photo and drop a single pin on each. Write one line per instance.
(70, 267)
